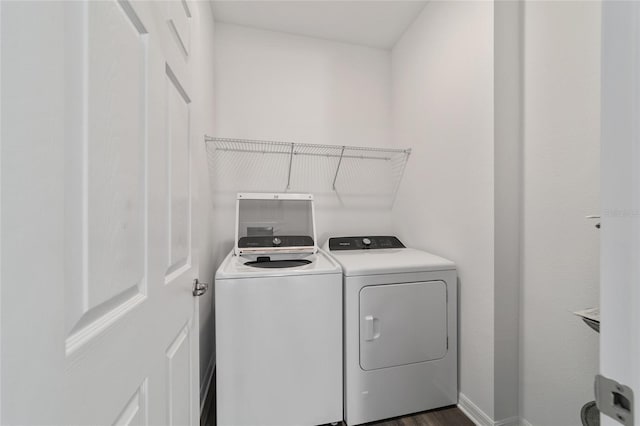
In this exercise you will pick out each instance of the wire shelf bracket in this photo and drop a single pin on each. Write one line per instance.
(333, 185)
(290, 163)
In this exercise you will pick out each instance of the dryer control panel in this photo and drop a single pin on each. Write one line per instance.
(364, 243)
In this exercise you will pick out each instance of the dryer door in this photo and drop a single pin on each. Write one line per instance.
(402, 324)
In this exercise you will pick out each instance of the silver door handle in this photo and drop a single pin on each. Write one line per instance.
(372, 328)
(199, 288)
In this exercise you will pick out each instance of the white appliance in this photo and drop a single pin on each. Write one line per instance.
(400, 328)
(278, 311)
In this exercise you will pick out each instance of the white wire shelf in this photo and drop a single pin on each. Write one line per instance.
(252, 165)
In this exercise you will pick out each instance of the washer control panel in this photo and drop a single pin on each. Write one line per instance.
(364, 243)
(279, 241)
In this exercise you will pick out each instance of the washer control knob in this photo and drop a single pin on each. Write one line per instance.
(366, 242)
(277, 241)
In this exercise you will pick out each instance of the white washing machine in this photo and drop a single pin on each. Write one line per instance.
(400, 328)
(278, 311)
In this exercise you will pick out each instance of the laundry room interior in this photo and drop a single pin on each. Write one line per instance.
(498, 103)
(392, 210)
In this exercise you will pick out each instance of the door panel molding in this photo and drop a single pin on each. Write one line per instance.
(94, 327)
(135, 411)
(108, 223)
(179, 177)
(179, 21)
(178, 358)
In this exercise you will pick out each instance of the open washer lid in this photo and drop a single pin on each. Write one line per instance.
(275, 223)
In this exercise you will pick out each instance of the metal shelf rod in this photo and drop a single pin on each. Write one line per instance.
(311, 154)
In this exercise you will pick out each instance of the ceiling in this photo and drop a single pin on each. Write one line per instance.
(370, 23)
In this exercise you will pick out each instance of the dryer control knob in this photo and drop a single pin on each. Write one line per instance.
(277, 241)
(366, 242)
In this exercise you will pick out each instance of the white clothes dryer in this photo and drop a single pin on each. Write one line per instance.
(400, 328)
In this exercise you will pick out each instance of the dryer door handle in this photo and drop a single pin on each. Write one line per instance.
(371, 328)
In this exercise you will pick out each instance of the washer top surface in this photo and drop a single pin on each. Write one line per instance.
(377, 261)
(235, 267)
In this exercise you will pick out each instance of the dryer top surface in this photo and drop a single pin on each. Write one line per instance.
(389, 261)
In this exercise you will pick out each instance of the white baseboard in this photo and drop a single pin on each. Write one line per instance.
(205, 386)
(480, 418)
(474, 413)
(511, 421)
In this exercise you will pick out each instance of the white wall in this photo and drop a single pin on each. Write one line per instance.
(442, 82)
(276, 86)
(561, 186)
(203, 55)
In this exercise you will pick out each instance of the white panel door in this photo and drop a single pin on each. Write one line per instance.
(96, 165)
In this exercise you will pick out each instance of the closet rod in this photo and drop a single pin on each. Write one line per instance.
(312, 154)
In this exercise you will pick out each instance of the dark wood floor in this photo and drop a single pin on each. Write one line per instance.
(208, 415)
(448, 416)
